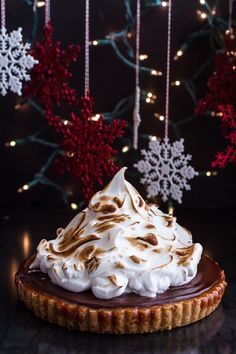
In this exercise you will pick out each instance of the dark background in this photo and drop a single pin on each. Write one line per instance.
(111, 80)
(208, 210)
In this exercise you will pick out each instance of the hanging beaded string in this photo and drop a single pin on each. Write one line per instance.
(47, 12)
(168, 70)
(136, 113)
(86, 69)
(3, 14)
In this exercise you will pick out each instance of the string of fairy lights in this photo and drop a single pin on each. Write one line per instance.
(212, 26)
(207, 13)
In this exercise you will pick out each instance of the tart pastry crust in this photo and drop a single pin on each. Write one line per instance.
(118, 320)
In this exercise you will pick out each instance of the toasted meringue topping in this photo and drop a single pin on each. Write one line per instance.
(120, 244)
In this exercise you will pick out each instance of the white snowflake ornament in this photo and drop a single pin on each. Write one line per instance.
(165, 169)
(14, 61)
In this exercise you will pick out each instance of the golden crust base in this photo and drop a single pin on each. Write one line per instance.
(121, 320)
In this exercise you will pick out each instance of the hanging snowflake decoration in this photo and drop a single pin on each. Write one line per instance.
(165, 169)
(87, 146)
(49, 79)
(14, 61)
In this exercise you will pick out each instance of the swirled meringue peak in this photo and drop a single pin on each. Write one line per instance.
(120, 244)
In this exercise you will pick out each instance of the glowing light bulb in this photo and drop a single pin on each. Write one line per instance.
(230, 32)
(17, 106)
(70, 154)
(154, 138)
(203, 15)
(143, 56)
(164, 3)
(40, 3)
(177, 83)
(94, 42)
(208, 173)
(179, 53)
(74, 206)
(202, 2)
(12, 143)
(149, 94)
(125, 149)
(66, 122)
(148, 100)
(25, 187)
(96, 117)
(159, 116)
(155, 73)
(171, 210)
(129, 35)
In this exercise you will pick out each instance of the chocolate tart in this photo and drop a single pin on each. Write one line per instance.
(129, 313)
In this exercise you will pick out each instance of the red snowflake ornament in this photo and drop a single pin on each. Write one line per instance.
(87, 147)
(222, 99)
(228, 123)
(49, 78)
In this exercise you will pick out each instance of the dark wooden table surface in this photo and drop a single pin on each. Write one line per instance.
(22, 332)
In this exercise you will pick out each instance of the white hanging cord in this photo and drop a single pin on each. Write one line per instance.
(230, 14)
(136, 112)
(168, 69)
(86, 69)
(3, 14)
(47, 12)
(35, 5)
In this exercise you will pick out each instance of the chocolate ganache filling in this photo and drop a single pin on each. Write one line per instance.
(207, 276)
